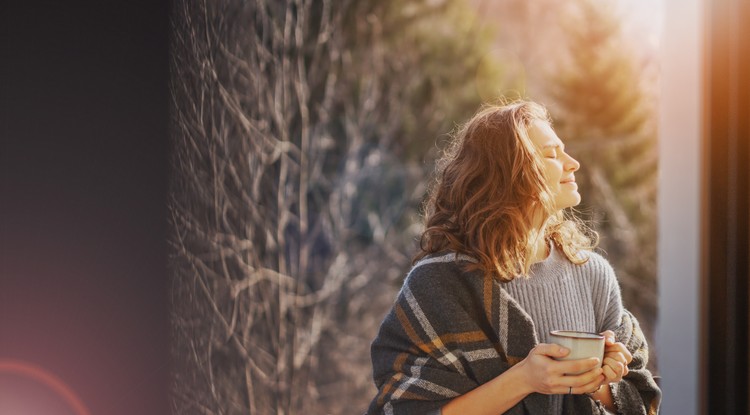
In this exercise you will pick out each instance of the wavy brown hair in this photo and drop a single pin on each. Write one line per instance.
(489, 186)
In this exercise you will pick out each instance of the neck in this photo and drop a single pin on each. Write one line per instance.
(537, 248)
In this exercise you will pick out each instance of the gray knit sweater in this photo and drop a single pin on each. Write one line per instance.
(559, 295)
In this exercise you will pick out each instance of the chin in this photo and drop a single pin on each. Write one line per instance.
(573, 202)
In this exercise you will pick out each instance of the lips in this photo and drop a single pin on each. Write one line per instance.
(570, 180)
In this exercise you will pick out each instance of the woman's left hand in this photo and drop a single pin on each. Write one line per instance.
(614, 368)
(616, 358)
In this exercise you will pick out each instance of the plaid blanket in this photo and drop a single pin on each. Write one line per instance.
(451, 331)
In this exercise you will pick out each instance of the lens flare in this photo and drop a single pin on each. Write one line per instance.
(37, 374)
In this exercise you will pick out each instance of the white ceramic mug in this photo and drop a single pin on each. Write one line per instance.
(582, 344)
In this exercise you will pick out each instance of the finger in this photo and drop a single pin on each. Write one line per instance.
(579, 388)
(617, 356)
(609, 336)
(617, 366)
(577, 366)
(619, 347)
(589, 387)
(551, 350)
(610, 374)
(582, 379)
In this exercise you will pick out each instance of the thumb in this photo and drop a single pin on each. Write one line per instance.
(551, 350)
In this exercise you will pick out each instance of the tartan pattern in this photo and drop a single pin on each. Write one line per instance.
(451, 331)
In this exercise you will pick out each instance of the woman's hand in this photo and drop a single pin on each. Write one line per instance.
(616, 358)
(538, 372)
(543, 374)
(615, 367)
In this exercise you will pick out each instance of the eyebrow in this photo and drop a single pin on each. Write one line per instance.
(553, 145)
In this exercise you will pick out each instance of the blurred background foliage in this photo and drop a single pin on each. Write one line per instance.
(304, 133)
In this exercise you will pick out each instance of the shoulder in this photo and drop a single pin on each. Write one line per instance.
(438, 295)
(598, 268)
(440, 274)
(441, 268)
(596, 262)
(605, 290)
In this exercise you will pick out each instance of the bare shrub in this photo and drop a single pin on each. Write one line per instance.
(294, 190)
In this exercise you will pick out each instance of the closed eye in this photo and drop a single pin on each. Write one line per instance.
(551, 151)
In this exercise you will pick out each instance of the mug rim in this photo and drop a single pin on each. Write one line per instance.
(576, 334)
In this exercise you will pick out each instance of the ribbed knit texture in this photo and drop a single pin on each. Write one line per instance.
(559, 295)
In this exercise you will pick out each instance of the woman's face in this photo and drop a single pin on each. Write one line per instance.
(559, 167)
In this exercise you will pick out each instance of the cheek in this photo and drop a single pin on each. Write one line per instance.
(553, 169)
(553, 176)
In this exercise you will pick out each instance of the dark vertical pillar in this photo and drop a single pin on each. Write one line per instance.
(83, 150)
(727, 210)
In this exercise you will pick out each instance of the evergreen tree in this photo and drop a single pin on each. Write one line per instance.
(604, 113)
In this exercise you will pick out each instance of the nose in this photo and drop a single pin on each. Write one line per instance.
(572, 164)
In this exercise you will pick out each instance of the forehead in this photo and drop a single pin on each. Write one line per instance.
(542, 134)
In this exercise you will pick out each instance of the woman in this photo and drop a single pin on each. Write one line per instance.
(500, 266)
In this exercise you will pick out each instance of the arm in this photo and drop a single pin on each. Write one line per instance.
(538, 372)
(608, 303)
(630, 387)
(494, 397)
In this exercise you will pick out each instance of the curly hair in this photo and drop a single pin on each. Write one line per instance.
(489, 185)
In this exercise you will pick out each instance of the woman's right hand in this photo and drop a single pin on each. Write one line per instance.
(538, 372)
(543, 374)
